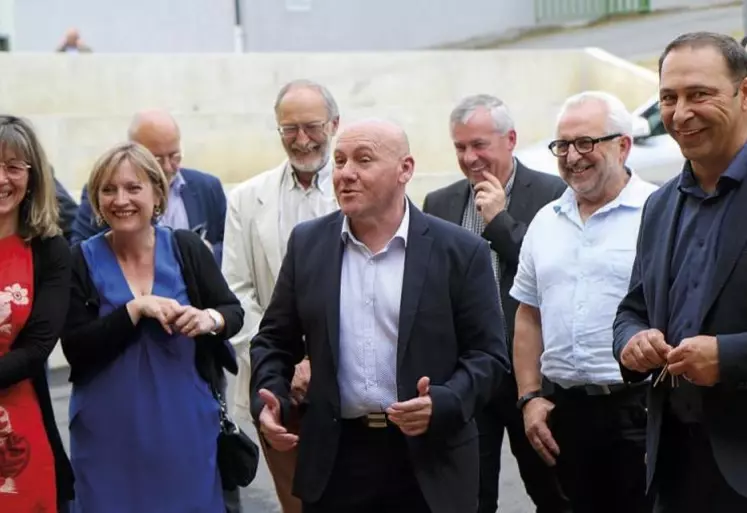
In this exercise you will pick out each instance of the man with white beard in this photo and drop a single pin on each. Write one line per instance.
(261, 214)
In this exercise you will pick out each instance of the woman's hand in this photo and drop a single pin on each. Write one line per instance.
(162, 309)
(193, 322)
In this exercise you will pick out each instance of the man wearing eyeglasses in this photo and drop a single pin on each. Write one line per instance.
(261, 214)
(196, 199)
(574, 269)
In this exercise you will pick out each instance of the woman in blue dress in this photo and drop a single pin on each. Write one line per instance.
(147, 332)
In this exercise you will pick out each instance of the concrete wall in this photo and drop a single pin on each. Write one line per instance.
(81, 104)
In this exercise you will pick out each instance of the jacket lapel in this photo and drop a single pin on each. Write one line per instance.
(417, 256)
(268, 198)
(668, 226)
(456, 203)
(332, 279)
(195, 215)
(520, 192)
(730, 246)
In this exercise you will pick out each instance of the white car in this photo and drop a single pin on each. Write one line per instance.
(655, 156)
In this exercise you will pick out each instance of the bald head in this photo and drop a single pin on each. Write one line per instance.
(372, 167)
(157, 130)
(387, 135)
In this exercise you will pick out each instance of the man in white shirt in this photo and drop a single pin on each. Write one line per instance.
(574, 269)
(261, 214)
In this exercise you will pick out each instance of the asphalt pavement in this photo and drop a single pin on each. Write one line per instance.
(638, 38)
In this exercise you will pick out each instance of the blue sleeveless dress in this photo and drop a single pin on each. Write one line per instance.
(143, 431)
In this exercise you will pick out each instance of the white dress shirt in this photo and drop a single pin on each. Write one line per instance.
(298, 204)
(370, 294)
(577, 273)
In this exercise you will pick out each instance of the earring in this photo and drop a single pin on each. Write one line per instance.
(157, 212)
(99, 220)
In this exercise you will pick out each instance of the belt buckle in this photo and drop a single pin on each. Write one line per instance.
(376, 420)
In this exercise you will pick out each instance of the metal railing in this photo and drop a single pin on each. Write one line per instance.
(558, 11)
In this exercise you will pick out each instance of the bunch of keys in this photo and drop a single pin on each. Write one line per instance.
(663, 374)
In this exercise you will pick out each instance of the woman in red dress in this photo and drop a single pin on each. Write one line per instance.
(35, 474)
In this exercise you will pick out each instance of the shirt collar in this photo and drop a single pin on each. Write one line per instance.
(178, 183)
(401, 233)
(320, 177)
(736, 172)
(633, 195)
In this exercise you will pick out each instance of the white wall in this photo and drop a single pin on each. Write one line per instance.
(126, 25)
(344, 25)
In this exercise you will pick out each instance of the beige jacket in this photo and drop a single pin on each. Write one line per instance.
(251, 262)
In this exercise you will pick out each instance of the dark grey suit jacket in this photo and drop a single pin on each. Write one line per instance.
(724, 315)
(532, 190)
(447, 331)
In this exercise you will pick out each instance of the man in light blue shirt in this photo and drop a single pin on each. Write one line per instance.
(574, 269)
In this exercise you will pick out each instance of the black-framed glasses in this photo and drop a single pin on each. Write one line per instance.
(585, 144)
(15, 168)
(314, 130)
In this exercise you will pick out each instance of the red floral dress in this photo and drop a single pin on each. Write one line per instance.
(27, 479)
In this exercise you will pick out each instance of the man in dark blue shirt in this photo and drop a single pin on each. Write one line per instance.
(684, 320)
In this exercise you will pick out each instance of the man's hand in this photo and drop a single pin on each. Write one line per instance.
(300, 382)
(269, 424)
(696, 359)
(490, 197)
(413, 416)
(536, 412)
(645, 351)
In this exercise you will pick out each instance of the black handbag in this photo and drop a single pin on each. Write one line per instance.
(238, 455)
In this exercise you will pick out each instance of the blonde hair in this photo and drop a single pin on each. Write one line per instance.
(142, 160)
(39, 213)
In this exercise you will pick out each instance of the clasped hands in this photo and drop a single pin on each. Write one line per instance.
(695, 358)
(412, 417)
(172, 316)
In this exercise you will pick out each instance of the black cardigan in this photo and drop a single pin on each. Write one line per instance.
(91, 343)
(31, 348)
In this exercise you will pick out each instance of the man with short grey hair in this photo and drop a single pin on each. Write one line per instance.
(262, 212)
(497, 200)
(574, 269)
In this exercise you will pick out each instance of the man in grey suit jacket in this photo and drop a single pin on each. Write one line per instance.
(497, 200)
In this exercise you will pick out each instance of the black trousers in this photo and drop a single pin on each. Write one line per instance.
(602, 441)
(687, 478)
(372, 474)
(501, 416)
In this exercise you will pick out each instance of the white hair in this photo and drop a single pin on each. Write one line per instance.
(498, 111)
(619, 119)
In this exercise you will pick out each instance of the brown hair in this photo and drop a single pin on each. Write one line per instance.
(141, 159)
(39, 213)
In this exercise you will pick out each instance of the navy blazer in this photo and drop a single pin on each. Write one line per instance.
(532, 190)
(450, 330)
(724, 315)
(204, 201)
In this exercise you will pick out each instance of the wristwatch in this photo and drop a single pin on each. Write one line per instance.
(217, 321)
(524, 399)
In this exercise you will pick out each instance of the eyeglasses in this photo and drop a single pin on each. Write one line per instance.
(314, 130)
(15, 168)
(173, 158)
(560, 148)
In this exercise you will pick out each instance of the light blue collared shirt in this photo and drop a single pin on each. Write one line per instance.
(577, 273)
(370, 294)
(176, 213)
